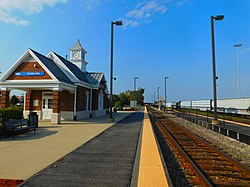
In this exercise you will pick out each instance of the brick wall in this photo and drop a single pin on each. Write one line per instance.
(106, 101)
(34, 95)
(95, 99)
(81, 98)
(4, 100)
(67, 101)
(56, 101)
(28, 101)
(29, 67)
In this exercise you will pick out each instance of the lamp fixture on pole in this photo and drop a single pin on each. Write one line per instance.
(166, 91)
(117, 23)
(217, 18)
(135, 99)
(238, 68)
(158, 94)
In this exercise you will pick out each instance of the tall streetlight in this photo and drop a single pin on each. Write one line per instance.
(154, 97)
(135, 99)
(217, 18)
(238, 68)
(117, 23)
(158, 94)
(158, 97)
(166, 91)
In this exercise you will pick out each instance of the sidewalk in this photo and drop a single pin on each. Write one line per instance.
(29, 153)
(106, 160)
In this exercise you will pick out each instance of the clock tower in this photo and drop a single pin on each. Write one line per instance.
(77, 56)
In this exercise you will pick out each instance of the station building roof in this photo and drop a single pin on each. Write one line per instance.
(60, 69)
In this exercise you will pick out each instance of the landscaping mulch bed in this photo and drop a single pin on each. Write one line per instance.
(10, 182)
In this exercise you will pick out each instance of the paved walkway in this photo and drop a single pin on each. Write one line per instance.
(27, 154)
(106, 160)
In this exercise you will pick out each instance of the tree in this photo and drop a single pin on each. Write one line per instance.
(13, 100)
(124, 98)
(115, 98)
(118, 103)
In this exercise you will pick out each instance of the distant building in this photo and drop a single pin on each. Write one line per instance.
(57, 89)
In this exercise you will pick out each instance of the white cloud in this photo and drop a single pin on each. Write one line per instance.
(129, 22)
(144, 11)
(6, 18)
(246, 50)
(180, 3)
(90, 4)
(29, 7)
(148, 9)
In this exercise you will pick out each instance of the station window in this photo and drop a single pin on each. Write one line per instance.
(87, 101)
(50, 103)
(44, 104)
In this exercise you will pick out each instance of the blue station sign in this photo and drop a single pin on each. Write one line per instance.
(36, 73)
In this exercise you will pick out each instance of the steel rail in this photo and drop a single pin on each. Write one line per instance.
(204, 181)
(229, 170)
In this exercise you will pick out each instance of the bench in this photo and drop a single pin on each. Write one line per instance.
(17, 126)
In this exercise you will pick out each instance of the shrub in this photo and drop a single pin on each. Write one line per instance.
(11, 113)
(118, 103)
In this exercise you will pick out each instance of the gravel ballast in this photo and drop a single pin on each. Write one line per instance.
(237, 150)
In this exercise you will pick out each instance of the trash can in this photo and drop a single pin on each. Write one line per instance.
(33, 119)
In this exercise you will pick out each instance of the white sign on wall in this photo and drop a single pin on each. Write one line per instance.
(35, 102)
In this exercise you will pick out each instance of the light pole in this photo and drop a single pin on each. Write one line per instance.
(158, 94)
(154, 97)
(166, 91)
(135, 78)
(217, 18)
(117, 23)
(238, 68)
(158, 97)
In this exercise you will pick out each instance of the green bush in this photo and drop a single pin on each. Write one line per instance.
(118, 103)
(11, 113)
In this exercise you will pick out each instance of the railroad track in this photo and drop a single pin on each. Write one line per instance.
(203, 164)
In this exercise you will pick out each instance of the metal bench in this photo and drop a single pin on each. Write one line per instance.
(17, 126)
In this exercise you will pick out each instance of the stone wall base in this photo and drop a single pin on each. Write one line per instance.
(82, 115)
(56, 118)
(67, 115)
(98, 113)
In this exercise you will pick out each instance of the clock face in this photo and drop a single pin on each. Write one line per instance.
(76, 54)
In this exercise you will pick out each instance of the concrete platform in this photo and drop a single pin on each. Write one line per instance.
(106, 160)
(29, 153)
(93, 152)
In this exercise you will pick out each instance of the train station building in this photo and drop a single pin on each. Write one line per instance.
(56, 88)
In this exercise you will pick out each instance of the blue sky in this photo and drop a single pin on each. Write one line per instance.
(158, 38)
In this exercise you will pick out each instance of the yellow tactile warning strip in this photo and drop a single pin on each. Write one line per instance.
(151, 171)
